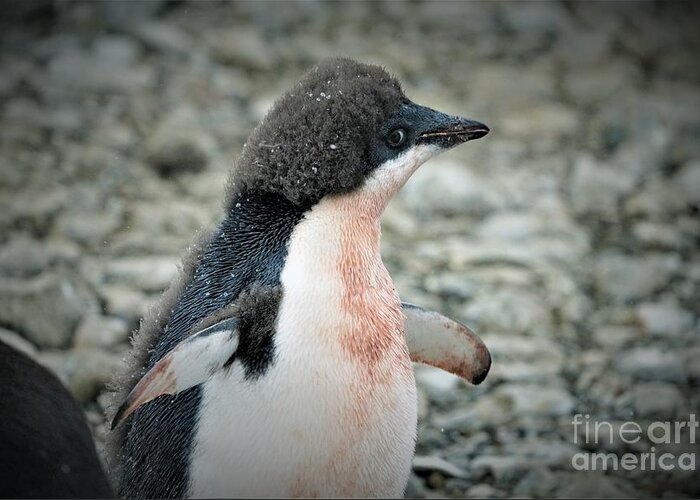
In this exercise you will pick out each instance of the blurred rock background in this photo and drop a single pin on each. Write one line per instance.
(568, 237)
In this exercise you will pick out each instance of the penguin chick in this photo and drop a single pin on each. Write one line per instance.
(280, 362)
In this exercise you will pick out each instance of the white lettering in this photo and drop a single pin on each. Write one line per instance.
(663, 465)
(665, 437)
(604, 459)
(628, 461)
(598, 426)
(637, 430)
(686, 461)
(692, 424)
(580, 461)
(576, 423)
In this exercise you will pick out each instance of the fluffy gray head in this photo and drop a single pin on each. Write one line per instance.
(316, 138)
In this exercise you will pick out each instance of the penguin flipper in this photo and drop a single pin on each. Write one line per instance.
(189, 363)
(439, 341)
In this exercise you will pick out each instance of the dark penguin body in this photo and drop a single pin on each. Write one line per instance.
(317, 321)
(46, 446)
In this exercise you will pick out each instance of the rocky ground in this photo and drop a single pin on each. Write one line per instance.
(568, 238)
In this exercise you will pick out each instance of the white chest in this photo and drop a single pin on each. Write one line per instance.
(335, 415)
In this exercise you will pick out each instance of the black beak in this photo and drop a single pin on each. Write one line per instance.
(458, 130)
(447, 131)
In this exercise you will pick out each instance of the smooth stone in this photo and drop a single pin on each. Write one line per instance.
(692, 362)
(90, 228)
(414, 487)
(485, 491)
(538, 482)
(439, 385)
(688, 181)
(626, 277)
(434, 463)
(109, 67)
(536, 17)
(656, 400)
(22, 257)
(657, 199)
(522, 399)
(17, 342)
(502, 468)
(46, 309)
(148, 273)
(593, 485)
(125, 302)
(664, 319)
(650, 363)
(614, 336)
(85, 371)
(448, 188)
(597, 188)
(658, 235)
(162, 36)
(513, 311)
(546, 122)
(244, 48)
(179, 144)
(102, 331)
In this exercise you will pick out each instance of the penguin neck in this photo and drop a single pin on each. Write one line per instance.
(350, 225)
(368, 295)
(334, 263)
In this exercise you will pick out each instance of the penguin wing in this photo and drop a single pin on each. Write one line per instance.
(189, 363)
(439, 341)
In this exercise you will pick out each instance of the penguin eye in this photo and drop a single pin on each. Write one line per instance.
(396, 137)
